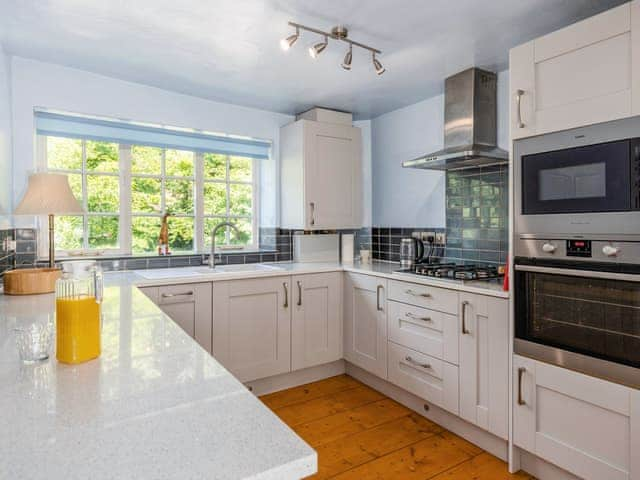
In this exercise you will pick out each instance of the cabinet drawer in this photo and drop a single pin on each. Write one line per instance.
(176, 294)
(427, 377)
(427, 331)
(433, 298)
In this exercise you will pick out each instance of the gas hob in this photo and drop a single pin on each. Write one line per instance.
(454, 271)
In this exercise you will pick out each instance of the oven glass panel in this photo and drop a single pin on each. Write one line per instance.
(591, 316)
(594, 178)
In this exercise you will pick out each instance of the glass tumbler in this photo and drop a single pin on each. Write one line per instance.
(34, 338)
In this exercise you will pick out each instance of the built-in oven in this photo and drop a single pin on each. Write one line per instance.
(580, 182)
(582, 315)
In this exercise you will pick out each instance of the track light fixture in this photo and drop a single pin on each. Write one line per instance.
(337, 33)
(377, 65)
(346, 63)
(318, 48)
(287, 43)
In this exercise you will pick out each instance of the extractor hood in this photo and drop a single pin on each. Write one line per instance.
(469, 125)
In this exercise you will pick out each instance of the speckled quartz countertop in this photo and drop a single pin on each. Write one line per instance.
(155, 405)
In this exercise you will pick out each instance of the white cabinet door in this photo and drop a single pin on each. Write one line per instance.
(365, 322)
(333, 157)
(583, 74)
(321, 179)
(189, 305)
(316, 321)
(252, 326)
(484, 362)
(583, 424)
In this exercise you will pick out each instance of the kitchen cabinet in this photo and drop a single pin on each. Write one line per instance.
(586, 73)
(484, 362)
(316, 319)
(252, 326)
(189, 305)
(365, 322)
(321, 180)
(588, 426)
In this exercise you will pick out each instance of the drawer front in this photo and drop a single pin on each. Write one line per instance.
(427, 331)
(427, 377)
(424, 296)
(177, 294)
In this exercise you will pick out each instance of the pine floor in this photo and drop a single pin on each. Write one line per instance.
(361, 434)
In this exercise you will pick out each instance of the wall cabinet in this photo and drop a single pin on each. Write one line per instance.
(365, 322)
(484, 362)
(321, 180)
(252, 326)
(586, 73)
(189, 305)
(585, 425)
(316, 319)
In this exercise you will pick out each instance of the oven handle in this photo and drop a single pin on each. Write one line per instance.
(628, 277)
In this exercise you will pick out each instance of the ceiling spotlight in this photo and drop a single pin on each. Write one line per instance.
(318, 48)
(346, 63)
(287, 43)
(377, 65)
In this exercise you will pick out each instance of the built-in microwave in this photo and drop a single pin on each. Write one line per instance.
(580, 182)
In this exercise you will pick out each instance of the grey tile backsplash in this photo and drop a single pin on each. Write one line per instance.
(477, 212)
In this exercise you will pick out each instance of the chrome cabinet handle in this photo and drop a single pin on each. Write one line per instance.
(313, 213)
(416, 294)
(521, 371)
(286, 295)
(464, 318)
(299, 294)
(170, 295)
(416, 317)
(378, 307)
(410, 360)
(519, 94)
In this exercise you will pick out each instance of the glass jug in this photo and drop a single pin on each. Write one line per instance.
(78, 319)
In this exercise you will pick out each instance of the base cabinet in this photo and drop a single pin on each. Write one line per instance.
(252, 326)
(365, 322)
(316, 319)
(589, 427)
(189, 305)
(484, 362)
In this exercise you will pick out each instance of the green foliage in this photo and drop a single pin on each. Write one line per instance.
(102, 195)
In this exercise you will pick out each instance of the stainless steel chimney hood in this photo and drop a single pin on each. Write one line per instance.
(470, 125)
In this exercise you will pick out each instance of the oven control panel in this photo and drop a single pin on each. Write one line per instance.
(579, 248)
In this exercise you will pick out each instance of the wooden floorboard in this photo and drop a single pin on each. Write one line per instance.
(361, 434)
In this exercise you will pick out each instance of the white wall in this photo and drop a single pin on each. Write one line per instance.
(5, 141)
(406, 197)
(365, 127)
(44, 85)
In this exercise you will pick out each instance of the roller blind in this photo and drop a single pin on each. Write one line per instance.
(60, 125)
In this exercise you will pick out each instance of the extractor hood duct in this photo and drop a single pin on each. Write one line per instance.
(470, 138)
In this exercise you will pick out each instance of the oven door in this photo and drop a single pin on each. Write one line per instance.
(588, 179)
(580, 318)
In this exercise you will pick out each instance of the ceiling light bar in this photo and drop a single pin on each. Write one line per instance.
(338, 33)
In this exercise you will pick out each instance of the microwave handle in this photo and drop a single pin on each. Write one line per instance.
(628, 277)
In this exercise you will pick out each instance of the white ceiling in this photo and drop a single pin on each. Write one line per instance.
(228, 50)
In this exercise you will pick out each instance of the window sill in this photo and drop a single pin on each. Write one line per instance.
(118, 256)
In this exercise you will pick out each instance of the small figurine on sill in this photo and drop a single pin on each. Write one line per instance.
(163, 239)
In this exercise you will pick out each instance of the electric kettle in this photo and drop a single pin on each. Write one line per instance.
(411, 252)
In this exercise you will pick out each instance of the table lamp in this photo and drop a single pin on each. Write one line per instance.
(49, 194)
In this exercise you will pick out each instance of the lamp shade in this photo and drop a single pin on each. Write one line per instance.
(48, 193)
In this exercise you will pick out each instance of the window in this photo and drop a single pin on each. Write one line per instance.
(92, 169)
(125, 190)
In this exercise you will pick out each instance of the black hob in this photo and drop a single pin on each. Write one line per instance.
(454, 271)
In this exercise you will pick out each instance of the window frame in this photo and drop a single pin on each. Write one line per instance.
(125, 214)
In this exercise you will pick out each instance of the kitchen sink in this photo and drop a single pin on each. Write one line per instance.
(246, 267)
(160, 273)
(185, 272)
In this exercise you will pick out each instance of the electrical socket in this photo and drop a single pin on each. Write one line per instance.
(441, 238)
(9, 245)
(425, 236)
(417, 235)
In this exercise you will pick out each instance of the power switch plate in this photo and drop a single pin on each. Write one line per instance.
(426, 235)
(441, 238)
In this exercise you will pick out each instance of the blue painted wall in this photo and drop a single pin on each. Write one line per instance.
(403, 197)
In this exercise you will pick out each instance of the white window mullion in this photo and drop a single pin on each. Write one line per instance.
(124, 223)
(85, 198)
(227, 230)
(199, 233)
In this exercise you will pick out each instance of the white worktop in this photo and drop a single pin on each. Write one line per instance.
(379, 269)
(154, 405)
